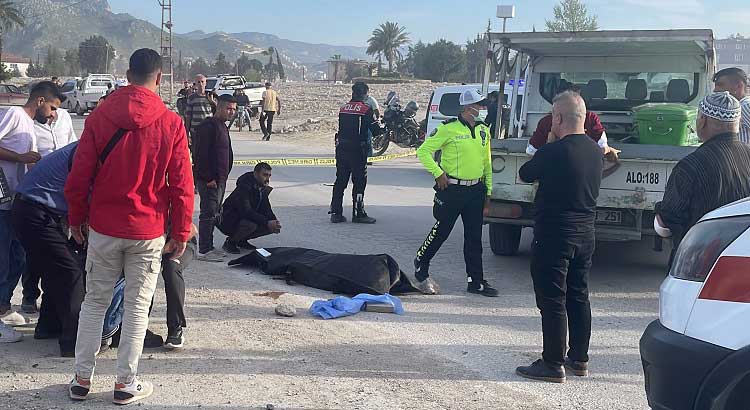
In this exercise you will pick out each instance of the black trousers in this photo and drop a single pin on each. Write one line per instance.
(560, 270)
(210, 203)
(247, 229)
(174, 287)
(30, 281)
(266, 122)
(49, 253)
(450, 203)
(349, 163)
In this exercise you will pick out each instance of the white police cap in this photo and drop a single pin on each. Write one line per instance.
(471, 96)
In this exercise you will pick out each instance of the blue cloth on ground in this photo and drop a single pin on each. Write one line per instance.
(341, 306)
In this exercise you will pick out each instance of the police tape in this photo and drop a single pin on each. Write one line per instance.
(314, 162)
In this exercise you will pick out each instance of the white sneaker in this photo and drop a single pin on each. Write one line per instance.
(211, 256)
(16, 319)
(129, 393)
(9, 335)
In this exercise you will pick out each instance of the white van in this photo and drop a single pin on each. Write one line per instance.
(88, 91)
(444, 101)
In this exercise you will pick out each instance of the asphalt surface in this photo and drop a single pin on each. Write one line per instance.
(452, 351)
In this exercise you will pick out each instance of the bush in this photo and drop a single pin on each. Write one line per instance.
(387, 74)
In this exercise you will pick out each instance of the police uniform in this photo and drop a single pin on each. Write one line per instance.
(356, 120)
(466, 161)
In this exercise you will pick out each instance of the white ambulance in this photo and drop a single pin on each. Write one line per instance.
(697, 355)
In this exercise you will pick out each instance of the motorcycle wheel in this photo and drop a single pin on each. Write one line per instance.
(380, 144)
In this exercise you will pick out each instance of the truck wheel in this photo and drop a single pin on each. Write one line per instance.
(79, 110)
(505, 239)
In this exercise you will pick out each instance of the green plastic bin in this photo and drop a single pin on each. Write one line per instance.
(666, 124)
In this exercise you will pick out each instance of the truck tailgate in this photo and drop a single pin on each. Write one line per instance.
(637, 181)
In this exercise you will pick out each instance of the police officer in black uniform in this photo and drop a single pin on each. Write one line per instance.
(355, 119)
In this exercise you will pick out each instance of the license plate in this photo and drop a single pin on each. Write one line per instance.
(613, 217)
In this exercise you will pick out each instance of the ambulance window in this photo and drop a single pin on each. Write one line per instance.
(449, 104)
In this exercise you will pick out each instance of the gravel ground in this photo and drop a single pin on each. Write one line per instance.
(451, 351)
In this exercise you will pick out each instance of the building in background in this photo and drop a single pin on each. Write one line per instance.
(733, 52)
(13, 62)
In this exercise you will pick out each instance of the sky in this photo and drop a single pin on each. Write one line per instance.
(333, 22)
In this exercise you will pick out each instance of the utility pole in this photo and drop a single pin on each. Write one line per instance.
(166, 87)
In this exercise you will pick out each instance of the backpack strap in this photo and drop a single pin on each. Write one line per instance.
(111, 144)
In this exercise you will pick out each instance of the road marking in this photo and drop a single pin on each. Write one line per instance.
(313, 161)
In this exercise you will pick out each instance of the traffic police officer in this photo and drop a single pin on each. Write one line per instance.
(463, 185)
(356, 120)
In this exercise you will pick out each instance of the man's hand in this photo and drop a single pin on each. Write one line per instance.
(79, 233)
(486, 210)
(212, 185)
(30, 157)
(174, 247)
(442, 181)
(611, 154)
(274, 226)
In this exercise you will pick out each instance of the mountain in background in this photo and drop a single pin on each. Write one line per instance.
(52, 23)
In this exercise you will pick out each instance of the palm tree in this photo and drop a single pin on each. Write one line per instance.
(10, 19)
(336, 60)
(387, 41)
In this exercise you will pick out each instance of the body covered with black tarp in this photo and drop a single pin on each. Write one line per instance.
(338, 273)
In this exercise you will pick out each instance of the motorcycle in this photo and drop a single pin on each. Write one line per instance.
(399, 126)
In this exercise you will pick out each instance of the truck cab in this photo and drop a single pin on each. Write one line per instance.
(228, 84)
(619, 72)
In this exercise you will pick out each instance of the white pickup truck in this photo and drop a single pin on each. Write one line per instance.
(617, 71)
(87, 92)
(227, 84)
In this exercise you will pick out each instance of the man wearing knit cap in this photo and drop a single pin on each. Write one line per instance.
(717, 173)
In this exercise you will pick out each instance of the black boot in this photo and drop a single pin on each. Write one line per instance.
(337, 218)
(540, 370)
(359, 216)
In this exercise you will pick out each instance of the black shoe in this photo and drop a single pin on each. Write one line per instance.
(483, 289)
(44, 334)
(175, 340)
(337, 218)
(580, 369)
(540, 370)
(28, 306)
(360, 217)
(114, 343)
(246, 245)
(68, 353)
(230, 247)
(152, 340)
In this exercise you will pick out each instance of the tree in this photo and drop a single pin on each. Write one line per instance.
(355, 70)
(245, 64)
(476, 54)
(269, 69)
(440, 61)
(54, 63)
(16, 72)
(10, 19)
(199, 66)
(221, 65)
(572, 15)
(387, 41)
(280, 67)
(95, 54)
(72, 66)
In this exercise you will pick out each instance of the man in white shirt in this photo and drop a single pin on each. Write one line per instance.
(735, 81)
(17, 151)
(56, 133)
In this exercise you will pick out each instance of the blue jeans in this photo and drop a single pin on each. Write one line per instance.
(113, 318)
(12, 260)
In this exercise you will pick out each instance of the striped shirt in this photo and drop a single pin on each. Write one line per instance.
(716, 174)
(198, 108)
(745, 121)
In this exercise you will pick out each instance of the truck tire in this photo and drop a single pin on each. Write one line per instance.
(505, 239)
(79, 110)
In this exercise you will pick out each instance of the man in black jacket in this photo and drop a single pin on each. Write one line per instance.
(212, 159)
(247, 212)
(356, 119)
(569, 172)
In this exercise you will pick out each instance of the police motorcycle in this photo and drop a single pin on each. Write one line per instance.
(399, 126)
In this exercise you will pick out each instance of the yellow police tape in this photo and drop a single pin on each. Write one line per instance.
(313, 162)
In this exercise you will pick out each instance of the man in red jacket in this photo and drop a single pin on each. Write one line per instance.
(130, 172)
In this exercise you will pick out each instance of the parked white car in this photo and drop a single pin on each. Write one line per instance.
(88, 91)
(697, 355)
(227, 84)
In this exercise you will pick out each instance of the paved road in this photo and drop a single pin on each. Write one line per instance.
(451, 351)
